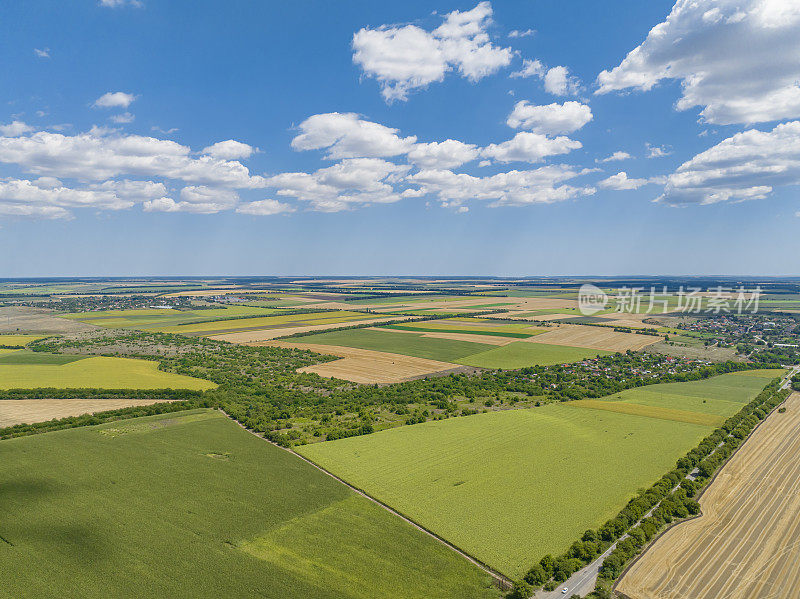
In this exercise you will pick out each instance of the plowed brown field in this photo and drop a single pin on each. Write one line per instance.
(746, 545)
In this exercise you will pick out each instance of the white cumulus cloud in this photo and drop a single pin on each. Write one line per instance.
(265, 208)
(512, 188)
(443, 154)
(621, 181)
(551, 118)
(529, 147)
(114, 100)
(615, 157)
(345, 135)
(737, 59)
(745, 166)
(101, 154)
(557, 81)
(229, 150)
(406, 58)
(15, 128)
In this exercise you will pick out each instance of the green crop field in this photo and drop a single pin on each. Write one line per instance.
(512, 485)
(190, 505)
(517, 354)
(28, 370)
(521, 353)
(409, 344)
(18, 340)
(721, 396)
(267, 322)
(472, 326)
(155, 318)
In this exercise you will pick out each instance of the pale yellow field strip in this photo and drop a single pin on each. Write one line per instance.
(625, 319)
(267, 334)
(367, 366)
(746, 545)
(593, 337)
(28, 411)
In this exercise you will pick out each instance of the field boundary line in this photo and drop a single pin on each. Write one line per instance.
(502, 581)
(710, 482)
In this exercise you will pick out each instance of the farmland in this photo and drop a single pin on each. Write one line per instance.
(19, 411)
(524, 498)
(18, 340)
(520, 354)
(443, 350)
(21, 370)
(747, 541)
(461, 346)
(187, 504)
(159, 318)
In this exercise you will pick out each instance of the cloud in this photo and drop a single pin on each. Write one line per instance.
(745, 166)
(207, 200)
(15, 128)
(462, 209)
(444, 154)
(551, 118)
(114, 100)
(738, 59)
(558, 82)
(121, 119)
(407, 58)
(657, 151)
(27, 210)
(229, 150)
(529, 147)
(351, 182)
(620, 181)
(515, 33)
(49, 198)
(513, 188)
(132, 191)
(345, 135)
(121, 3)
(615, 157)
(42, 52)
(265, 208)
(102, 154)
(195, 200)
(530, 68)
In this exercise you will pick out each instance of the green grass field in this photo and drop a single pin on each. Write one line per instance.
(520, 354)
(409, 344)
(512, 485)
(191, 505)
(25, 370)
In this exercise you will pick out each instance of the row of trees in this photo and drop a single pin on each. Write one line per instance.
(21, 430)
(665, 500)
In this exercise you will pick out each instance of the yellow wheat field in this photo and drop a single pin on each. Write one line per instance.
(28, 411)
(577, 335)
(368, 366)
(746, 545)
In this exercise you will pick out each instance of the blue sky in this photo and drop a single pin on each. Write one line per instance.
(332, 118)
